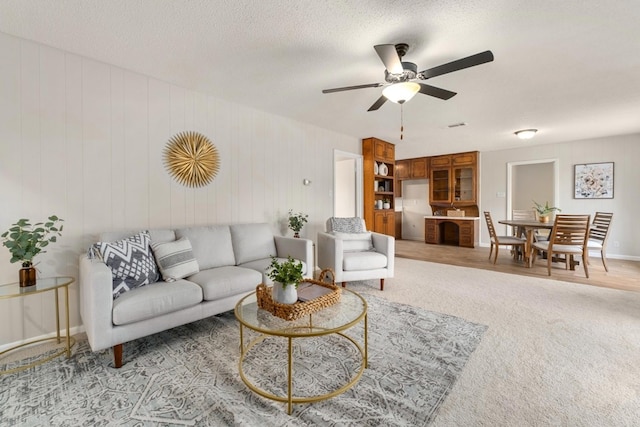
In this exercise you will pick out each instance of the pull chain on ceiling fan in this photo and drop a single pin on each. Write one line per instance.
(400, 85)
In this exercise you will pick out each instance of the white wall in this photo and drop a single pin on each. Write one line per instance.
(623, 150)
(83, 140)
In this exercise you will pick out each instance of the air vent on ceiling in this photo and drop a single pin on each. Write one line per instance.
(456, 125)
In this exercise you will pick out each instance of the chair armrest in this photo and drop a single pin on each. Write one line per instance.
(298, 248)
(330, 251)
(96, 301)
(385, 245)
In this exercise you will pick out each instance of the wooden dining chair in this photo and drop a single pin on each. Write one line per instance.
(598, 234)
(496, 241)
(569, 238)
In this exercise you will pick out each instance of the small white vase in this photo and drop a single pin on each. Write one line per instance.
(383, 169)
(387, 206)
(375, 168)
(285, 294)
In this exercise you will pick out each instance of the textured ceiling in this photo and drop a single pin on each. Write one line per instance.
(570, 68)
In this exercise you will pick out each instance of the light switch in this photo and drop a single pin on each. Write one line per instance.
(501, 194)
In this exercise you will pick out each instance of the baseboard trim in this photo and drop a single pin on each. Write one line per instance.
(73, 330)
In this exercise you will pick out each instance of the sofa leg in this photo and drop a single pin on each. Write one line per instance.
(117, 356)
(344, 284)
(382, 284)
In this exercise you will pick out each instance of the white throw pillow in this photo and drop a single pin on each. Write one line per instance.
(175, 259)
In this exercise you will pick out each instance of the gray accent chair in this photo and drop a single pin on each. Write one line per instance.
(356, 255)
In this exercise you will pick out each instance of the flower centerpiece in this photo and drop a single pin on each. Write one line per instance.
(286, 276)
(297, 221)
(544, 211)
(25, 240)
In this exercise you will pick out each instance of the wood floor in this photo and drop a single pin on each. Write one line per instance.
(622, 274)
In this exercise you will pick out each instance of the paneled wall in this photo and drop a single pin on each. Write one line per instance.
(83, 140)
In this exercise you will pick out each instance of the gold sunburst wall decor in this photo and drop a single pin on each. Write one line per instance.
(191, 159)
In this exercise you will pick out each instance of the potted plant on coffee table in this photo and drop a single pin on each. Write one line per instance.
(25, 240)
(544, 211)
(286, 277)
(297, 221)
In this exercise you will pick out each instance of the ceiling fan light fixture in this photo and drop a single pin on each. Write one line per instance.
(526, 133)
(401, 92)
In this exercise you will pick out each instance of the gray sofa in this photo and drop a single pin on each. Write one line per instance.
(232, 260)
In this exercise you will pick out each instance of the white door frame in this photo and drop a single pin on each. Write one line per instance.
(343, 155)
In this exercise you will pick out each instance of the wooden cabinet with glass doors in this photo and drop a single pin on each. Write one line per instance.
(453, 180)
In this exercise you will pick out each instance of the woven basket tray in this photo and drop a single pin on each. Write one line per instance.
(299, 309)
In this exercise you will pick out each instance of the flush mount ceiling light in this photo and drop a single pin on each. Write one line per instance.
(526, 133)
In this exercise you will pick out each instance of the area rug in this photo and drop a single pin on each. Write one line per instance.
(189, 376)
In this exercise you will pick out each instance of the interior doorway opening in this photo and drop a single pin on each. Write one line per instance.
(532, 180)
(347, 184)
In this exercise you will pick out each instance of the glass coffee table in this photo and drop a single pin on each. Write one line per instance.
(350, 310)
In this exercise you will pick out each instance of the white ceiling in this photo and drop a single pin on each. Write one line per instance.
(570, 68)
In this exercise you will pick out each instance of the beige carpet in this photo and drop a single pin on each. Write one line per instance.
(555, 353)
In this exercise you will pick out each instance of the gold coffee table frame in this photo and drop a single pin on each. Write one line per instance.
(348, 312)
(46, 284)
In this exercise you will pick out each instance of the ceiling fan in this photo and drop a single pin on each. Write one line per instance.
(400, 76)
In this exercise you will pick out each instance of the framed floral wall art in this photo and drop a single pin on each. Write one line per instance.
(593, 181)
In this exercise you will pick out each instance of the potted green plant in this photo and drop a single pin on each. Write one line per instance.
(386, 203)
(286, 276)
(297, 221)
(25, 240)
(544, 211)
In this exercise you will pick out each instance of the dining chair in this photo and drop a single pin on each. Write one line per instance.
(496, 241)
(569, 238)
(598, 234)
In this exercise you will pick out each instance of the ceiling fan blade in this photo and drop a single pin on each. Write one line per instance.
(436, 91)
(378, 103)
(340, 89)
(460, 64)
(389, 57)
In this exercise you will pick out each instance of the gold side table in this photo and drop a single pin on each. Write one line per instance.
(46, 284)
(335, 319)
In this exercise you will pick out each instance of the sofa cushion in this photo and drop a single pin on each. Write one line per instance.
(175, 259)
(223, 282)
(131, 262)
(355, 261)
(262, 266)
(355, 241)
(252, 242)
(211, 245)
(155, 300)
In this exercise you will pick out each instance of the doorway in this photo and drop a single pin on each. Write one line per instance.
(347, 184)
(532, 180)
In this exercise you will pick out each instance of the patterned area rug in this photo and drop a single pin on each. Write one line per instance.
(189, 376)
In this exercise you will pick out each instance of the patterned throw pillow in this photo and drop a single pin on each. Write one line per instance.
(175, 259)
(347, 225)
(131, 262)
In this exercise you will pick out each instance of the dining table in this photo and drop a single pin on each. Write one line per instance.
(529, 227)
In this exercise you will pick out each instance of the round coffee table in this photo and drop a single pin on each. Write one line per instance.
(346, 313)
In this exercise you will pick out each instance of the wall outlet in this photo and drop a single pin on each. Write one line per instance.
(501, 194)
